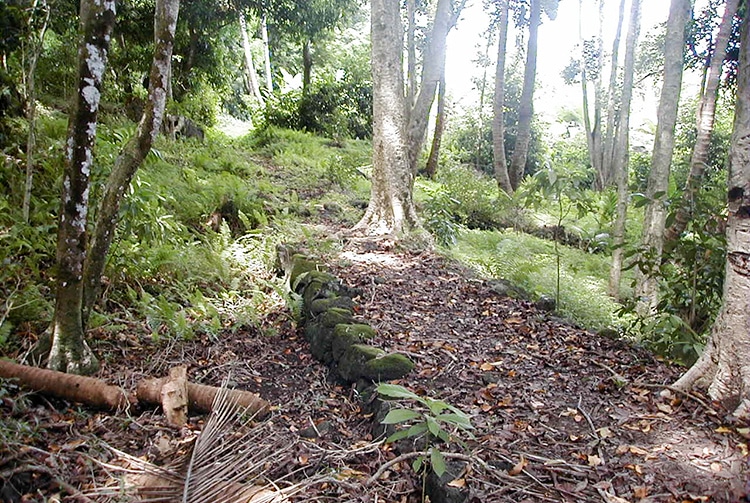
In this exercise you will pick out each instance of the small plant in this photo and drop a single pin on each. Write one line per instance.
(435, 421)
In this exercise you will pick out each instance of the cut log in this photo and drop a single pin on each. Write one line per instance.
(200, 396)
(75, 388)
(174, 396)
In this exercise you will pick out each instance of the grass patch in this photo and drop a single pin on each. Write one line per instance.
(531, 263)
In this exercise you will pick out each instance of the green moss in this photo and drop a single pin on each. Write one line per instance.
(385, 368)
(319, 306)
(352, 364)
(347, 335)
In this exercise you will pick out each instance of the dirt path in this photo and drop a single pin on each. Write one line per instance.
(580, 413)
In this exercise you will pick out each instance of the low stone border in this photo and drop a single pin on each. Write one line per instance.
(335, 338)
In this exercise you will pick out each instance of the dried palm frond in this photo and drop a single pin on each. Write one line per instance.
(228, 462)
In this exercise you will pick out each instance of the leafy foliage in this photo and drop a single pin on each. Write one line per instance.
(436, 421)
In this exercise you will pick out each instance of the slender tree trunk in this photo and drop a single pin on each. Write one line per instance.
(251, 77)
(391, 210)
(526, 107)
(411, 54)
(480, 116)
(723, 366)
(307, 63)
(36, 51)
(498, 120)
(69, 352)
(658, 180)
(706, 117)
(266, 54)
(131, 157)
(432, 159)
(612, 102)
(433, 66)
(620, 149)
(588, 129)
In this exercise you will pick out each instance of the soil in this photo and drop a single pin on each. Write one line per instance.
(560, 414)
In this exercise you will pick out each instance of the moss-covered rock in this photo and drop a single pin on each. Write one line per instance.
(299, 266)
(352, 363)
(319, 306)
(387, 367)
(320, 332)
(346, 335)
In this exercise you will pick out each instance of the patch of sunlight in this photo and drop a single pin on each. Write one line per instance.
(386, 260)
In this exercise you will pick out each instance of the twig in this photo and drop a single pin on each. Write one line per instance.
(618, 377)
(588, 418)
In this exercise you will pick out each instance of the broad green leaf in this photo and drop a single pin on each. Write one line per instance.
(437, 461)
(459, 419)
(436, 406)
(417, 464)
(396, 391)
(417, 429)
(399, 416)
(400, 434)
(433, 426)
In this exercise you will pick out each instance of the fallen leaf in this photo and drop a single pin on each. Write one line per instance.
(518, 468)
(457, 483)
(486, 366)
(723, 429)
(594, 460)
(640, 492)
(665, 408)
(715, 467)
(637, 451)
(636, 468)
(605, 432)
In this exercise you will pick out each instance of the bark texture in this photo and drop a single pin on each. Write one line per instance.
(132, 155)
(69, 352)
(724, 366)
(620, 149)
(706, 117)
(391, 209)
(251, 77)
(498, 120)
(658, 181)
(526, 108)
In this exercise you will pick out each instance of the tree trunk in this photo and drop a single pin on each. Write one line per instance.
(132, 155)
(69, 352)
(526, 107)
(723, 365)
(433, 66)
(608, 154)
(411, 54)
(620, 149)
(36, 51)
(432, 160)
(706, 116)
(251, 77)
(307, 62)
(498, 124)
(658, 180)
(266, 54)
(391, 210)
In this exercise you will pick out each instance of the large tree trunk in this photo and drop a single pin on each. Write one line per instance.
(620, 149)
(658, 180)
(723, 366)
(391, 209)
(526, 108)
(437, 138)
(411, 53)
(69, 352)
(433, 66)
(706, 116)
(132, 155)
(498, 124)
(251, 77)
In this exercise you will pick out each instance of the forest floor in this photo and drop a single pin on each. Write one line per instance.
(561, 414)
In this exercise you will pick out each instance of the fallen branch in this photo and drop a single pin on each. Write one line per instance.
(75, 388)
(200, 396)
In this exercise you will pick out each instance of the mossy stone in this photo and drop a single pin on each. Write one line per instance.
(388, 367)
(319, 306)
(302, 283)
(352, 363)
(300, 265)
(320, 337)
(337, 316)
(346, 335)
